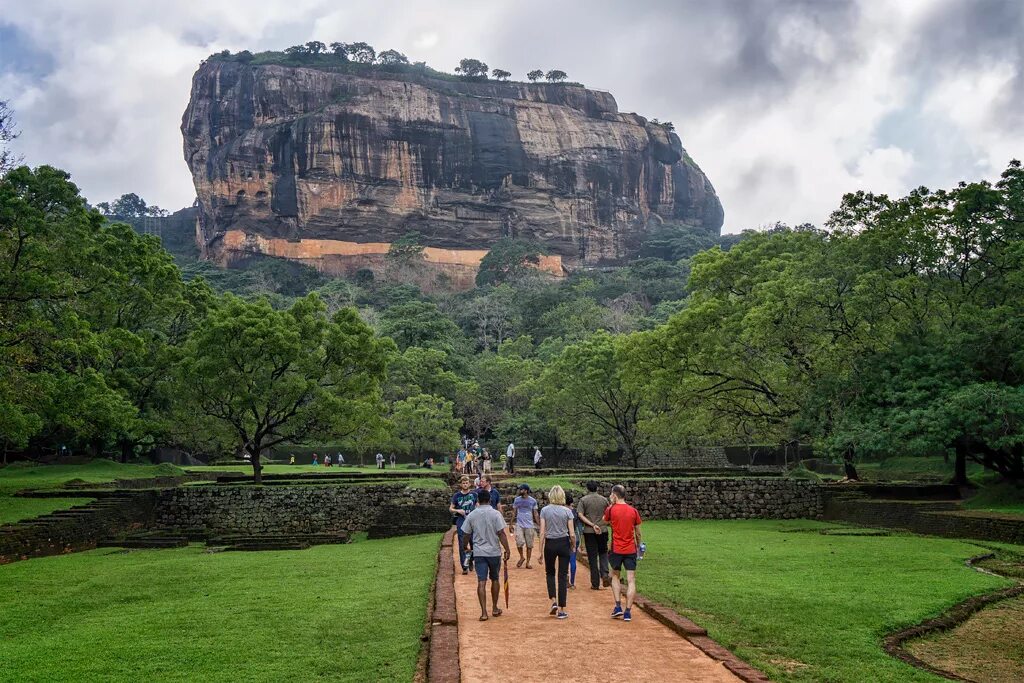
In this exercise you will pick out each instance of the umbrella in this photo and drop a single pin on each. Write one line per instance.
(506, 584)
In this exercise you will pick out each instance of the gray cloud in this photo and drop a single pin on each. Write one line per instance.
(786, 104)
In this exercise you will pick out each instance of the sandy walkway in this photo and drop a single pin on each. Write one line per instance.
(525, 644)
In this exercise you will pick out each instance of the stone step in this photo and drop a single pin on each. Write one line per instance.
(267, 546)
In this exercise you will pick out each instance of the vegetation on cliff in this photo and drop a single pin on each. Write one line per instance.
(361, 59)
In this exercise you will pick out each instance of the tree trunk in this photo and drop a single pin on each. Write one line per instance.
(257, 467)
(851, 471)
(126, 450)
(960, 469)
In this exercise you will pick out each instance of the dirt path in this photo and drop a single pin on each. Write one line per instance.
(526, 644)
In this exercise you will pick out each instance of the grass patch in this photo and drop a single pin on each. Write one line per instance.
(20, 476)
(807, 606)
(16, 509)
(913, 469)
(986, 647)
(998, 496)
(186, 614)
(297, 469)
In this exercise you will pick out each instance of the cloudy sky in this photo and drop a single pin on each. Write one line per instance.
(785, 104)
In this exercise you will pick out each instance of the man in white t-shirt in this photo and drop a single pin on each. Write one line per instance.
(510, 457)
(537, 457)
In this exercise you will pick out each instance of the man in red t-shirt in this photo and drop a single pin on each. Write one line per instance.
(625, 523)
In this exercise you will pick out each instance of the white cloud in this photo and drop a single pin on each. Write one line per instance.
(781, 103)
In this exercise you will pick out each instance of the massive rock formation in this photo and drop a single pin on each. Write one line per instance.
(330, 167)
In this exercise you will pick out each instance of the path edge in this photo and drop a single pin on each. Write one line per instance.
(951, 618)
(696, 635)
(439, 658)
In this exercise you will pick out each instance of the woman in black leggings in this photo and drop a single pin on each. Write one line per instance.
(557, 539)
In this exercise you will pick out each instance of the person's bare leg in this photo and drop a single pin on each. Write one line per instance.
(616, 587)
(631, 589)
(495, 590)
(529, 553)
(481, 594)
(521, 558)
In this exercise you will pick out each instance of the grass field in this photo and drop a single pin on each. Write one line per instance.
(320, 469)
(20, 476)
(803, 606)
(348, 613)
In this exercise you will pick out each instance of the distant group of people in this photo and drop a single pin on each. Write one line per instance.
(381, 463)
(339, 459)
(555, 530)
(473, 459)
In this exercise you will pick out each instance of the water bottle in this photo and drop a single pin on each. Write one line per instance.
(640, 553)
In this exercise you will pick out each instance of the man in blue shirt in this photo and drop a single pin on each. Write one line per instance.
(463, 502)
(527, 521)
(495, 497)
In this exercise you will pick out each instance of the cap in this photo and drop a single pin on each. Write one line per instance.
(524, 487)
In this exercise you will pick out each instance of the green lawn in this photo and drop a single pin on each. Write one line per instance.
(913, 469)
(803, 606)
(21, 476)
(997, 496)
(350, 613)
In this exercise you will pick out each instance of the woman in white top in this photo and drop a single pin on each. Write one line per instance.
(557, 538)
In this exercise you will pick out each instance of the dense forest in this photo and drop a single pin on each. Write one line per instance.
(895, 329)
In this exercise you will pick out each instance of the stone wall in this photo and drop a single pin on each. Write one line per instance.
(79, 528)
(700, 498)
(938, 518)
(337, 509)
(701, 456)
(287, 509)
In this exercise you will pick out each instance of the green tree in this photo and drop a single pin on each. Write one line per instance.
(420, 371)
(361, 52)
(129, 205)
(340, 50)
(419, 323)
(425, 424)
(315, 47)
(472, 68)
(585, 394)
(501, 74)
(555, 76)
(508, 260)
(535, 75)
(276, 377)
(391, 57)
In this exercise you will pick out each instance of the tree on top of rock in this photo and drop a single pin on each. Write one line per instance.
(501, 74)
(361, 52)
(507, 261)
(535, 75)
(315, 47)
(340, 50)
(389, 57)
(556, 75)
(472, 68)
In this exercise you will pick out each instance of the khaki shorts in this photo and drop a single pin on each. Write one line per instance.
(525, 537)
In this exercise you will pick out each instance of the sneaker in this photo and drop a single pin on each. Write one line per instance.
(617, 612)
(627, 615)
(563, 615)
(464, 571)
(554, 609)
(606, 580)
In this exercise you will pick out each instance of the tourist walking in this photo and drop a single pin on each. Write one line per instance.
(556, 540)
(537, 457)
(460, 460)
(595, 535)
(316, 462)
(510, 457)
(463, 502)
(470, 469)
(625, 523)
(571, 504)
(291, 460)
(394, 461)
(527, 521)
(380, 461)
(486, 527)
(495, 497)
(486, 457)
(327, 460)
(341, 459)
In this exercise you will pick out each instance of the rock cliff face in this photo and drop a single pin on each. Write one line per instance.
(329, 168)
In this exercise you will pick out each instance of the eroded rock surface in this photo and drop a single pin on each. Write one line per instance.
(330, 168)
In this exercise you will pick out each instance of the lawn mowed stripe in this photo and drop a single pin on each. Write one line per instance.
(805, 606)
(352, 612)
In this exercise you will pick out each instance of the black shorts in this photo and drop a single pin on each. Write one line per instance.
(617, 560)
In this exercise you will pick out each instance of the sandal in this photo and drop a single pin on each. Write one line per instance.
(483, 617)
(496, 613)
(520, 562)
